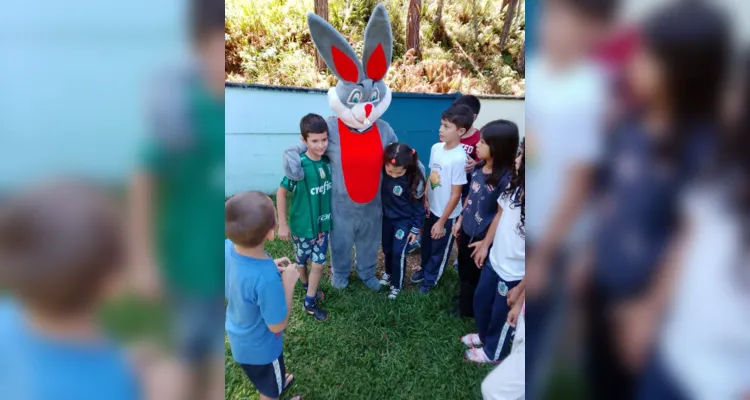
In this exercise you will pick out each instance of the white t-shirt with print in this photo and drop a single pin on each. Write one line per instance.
(508, 253)
(446, 169)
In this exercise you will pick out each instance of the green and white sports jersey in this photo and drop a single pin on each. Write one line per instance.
(311, 198)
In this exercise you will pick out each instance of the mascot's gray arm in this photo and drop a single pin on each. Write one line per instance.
(292, 162)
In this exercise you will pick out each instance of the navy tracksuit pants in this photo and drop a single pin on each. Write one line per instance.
(394, 241)
(491, 313)
(435, 253)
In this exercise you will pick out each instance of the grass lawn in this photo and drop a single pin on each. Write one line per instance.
(372, 347)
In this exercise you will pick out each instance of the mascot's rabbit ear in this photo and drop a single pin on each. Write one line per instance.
(378, 44)
(335, 50)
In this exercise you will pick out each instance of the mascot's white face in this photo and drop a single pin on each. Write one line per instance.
(360, 97)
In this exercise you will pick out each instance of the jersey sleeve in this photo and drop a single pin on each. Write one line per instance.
(272, 301)
(288, 184)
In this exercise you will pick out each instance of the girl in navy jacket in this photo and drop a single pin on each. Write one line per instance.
(402, 193)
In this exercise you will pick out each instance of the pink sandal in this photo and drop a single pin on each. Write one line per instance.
(478, 356)
(471, 340)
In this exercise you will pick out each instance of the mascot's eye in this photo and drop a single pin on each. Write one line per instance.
(375, 96)
(355, 97)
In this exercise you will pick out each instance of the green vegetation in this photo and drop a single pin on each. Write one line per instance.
(267, 41)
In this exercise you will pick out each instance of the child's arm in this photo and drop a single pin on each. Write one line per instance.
(481, 248)
(417, 215)
(437, 229)
(515, 312)
(284, 233)
(270, 305)
(144, 269)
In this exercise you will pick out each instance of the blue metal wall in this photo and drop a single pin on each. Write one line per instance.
(261, 121)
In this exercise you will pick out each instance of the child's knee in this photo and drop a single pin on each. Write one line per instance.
(316, 266)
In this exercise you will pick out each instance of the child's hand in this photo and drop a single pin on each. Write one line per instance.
(289, 276)
(438, 230)
(514, 295)
(513, 314)
(282, 263)
(284, 233)
(456, 229)
(479, 255)
(411, 238)
(470, 164)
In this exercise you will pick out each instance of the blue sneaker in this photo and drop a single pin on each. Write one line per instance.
(417, 277)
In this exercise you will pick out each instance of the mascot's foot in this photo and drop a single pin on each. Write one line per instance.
(373, 283)
(339, 283)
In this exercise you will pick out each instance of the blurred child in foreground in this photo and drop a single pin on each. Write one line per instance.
(61, 255)
(176, 205)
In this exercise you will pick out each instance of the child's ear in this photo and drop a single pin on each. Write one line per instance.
(302, 138)
(461, 131)
(475, 117)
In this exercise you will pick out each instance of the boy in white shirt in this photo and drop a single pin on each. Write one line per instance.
(447, 177)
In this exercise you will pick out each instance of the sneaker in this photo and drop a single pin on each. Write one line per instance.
(417, 277)
(318, 297)
(394, 293)
(385, 279)
(316, 312)
(424, 289)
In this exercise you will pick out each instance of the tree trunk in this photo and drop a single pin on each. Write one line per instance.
(412, 26)
(321, 9)
(509, 15)
(474, 22)
(522, 60)
(439, 14)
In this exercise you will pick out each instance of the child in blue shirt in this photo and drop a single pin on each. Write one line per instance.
(259, 293)
(402, 193)
(60, 255)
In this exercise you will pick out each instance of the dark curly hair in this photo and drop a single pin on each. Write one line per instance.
(516, 190)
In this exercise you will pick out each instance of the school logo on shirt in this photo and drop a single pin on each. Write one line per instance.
(502, 288)
(397, 190)
(322, 173)
(399, 234)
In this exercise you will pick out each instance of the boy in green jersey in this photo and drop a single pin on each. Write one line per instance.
(310, 217)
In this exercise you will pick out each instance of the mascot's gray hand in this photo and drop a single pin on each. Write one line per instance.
(293, 163)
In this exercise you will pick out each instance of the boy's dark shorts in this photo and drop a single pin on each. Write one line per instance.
(314, 250)
(268, 379)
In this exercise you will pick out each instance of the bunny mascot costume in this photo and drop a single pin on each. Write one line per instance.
(356, 140)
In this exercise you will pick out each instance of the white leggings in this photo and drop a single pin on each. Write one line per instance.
(508, 380)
